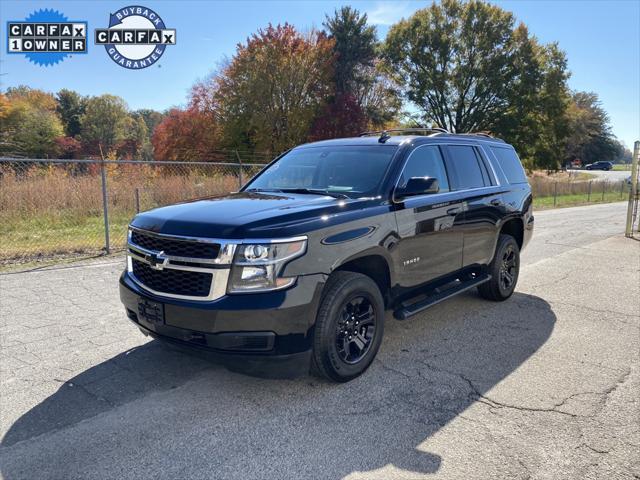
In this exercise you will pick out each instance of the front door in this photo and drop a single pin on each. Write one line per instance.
(429, 226)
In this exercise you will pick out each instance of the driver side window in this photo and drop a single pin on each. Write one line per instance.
(425, 161)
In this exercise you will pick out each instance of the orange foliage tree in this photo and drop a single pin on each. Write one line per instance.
(268, 95)
(189, 134)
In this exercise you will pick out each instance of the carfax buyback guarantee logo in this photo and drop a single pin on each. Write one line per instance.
(46, 37)
(136, 38)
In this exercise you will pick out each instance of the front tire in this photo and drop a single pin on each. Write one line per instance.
(504, 270)
(349, 326)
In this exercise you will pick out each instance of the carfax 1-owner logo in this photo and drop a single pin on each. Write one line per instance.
(136, 38)
(46, 37)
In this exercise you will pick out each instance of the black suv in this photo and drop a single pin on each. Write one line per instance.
(599, 166)
(299, 266)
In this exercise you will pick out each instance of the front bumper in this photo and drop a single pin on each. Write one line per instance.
(244, 330)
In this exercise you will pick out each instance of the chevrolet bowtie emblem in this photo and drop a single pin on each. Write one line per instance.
(157, 261)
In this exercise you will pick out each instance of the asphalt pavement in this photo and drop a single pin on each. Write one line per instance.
(543, 386)
(609, 176)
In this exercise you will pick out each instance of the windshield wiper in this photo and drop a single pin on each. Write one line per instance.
(314, 192)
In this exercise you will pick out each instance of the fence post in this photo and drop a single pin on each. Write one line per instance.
(589, 194)
(555, 192)
(239, 170)
(137, 193)
(604, 187)
(621, 188)
(632, 207)
(105, 208)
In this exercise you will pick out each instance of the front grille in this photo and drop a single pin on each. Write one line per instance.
(178, 248)
(173, 282)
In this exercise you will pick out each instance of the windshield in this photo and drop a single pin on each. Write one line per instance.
(350, 170)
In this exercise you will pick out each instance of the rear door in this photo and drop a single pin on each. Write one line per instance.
(430, 226)
(471, 174)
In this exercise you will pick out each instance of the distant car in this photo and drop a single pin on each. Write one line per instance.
(628, 180)
(599, 166)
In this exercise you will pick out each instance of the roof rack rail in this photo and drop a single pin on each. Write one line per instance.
(399, 130)
(482, 134)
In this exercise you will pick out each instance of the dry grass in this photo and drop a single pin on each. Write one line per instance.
(53, 210)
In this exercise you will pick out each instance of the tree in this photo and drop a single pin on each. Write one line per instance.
(354, 46)
(29, 124)
(70, 107)
(269, 93)
(365, 96)
(103, 123)
(468, 69)
(152, 118)
(590, 136)
(186, 135)
(136, 138)
(341, 118)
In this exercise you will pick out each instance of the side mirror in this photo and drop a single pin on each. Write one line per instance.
(418, 186)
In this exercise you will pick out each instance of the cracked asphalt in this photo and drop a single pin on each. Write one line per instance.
(543, 386)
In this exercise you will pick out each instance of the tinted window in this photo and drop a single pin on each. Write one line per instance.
(351, 170)
(425, 162)
(510, 164)
(465, 167)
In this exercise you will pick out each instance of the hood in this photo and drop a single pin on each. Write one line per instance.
(252, 215)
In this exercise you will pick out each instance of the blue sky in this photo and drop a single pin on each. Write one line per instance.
(601, 39)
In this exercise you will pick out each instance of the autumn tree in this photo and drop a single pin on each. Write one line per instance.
(185, 135)
(29, 124)
(269, 93)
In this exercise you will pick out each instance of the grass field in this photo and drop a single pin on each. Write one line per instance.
(622, 167)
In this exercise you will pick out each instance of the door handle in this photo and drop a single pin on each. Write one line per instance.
(496, 202)
(454, 211)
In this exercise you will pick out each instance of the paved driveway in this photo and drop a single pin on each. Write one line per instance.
(609, 176)
(545, 385)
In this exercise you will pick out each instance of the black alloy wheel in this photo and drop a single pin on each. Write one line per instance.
(355, 329)
(508, 268)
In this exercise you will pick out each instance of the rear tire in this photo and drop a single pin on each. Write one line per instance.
(504, 270)
(349, 327)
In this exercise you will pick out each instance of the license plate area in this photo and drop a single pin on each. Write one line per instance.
(150, 312)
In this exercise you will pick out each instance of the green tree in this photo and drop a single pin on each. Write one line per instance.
(360, 84)
(136, 143)
(70, 106)
(467, 68)
(104, 123)
(152, 118)
(354, 46)
(590, 136)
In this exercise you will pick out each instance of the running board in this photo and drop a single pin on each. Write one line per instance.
(438, 296)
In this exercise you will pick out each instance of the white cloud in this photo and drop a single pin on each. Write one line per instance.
(389, 12)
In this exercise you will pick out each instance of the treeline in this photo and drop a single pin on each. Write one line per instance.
(39, 124)
(464, 66)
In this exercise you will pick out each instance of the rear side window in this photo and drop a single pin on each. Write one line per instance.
(465, 168)
(425, 162)
(510, 164)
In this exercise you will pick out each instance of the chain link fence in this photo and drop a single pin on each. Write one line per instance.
(56, 209)
(51, 210)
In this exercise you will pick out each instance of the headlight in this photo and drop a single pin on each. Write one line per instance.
(256, 266)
